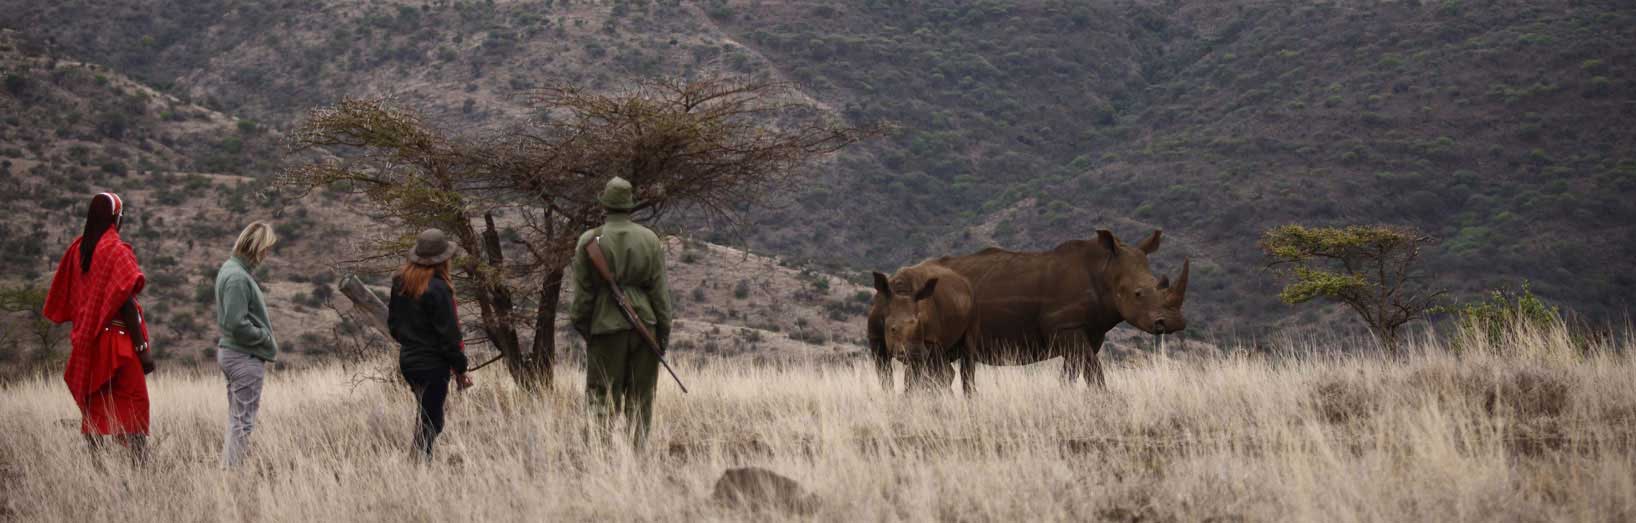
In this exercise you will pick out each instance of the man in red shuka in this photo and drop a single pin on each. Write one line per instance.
(95, 287)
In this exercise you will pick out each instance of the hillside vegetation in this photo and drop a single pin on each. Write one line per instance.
(1496, 125)
(1530, 429)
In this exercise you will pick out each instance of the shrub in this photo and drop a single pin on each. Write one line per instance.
(321, 293)
(1505, 311)
(741, 290)
(17, 84)
(821, 284)
(1600, 86)
(1533, 39)
(1449, 8)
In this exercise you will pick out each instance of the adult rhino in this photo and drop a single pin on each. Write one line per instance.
(1029, 304)
(927, 317)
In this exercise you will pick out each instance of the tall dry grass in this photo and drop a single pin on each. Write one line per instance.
(1536, 429)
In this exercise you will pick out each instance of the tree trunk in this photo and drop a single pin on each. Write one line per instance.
(1388, 338)
(543, 357)
(365, 301)
(493, 297)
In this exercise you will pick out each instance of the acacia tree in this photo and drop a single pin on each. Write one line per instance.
(709, 146)
(411, 176)
(1374, 270)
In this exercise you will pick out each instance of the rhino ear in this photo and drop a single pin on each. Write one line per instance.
(881, 286)
(1105, 237)
(926, 290)
(1151, 244)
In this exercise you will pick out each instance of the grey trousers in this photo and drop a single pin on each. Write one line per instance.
(244, 376)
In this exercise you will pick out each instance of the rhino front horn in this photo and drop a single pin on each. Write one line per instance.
(1178, 289)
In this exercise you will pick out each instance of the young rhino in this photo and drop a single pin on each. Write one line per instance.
(926, 316)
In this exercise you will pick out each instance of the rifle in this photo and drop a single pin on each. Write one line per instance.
(598, 260)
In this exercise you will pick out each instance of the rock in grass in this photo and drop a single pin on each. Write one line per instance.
(762, 489)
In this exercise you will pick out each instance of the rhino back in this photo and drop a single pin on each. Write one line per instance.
(1022, 298)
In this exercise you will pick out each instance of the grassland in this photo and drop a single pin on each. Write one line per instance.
(1537, 427)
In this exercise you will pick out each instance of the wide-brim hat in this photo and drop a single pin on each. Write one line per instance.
(432, 247)
(618, 195)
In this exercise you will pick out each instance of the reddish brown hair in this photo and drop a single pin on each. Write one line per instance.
(413, 278)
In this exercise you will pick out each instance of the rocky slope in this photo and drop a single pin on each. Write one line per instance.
(1496, 125)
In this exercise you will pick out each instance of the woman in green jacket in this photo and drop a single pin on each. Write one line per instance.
(247, 343)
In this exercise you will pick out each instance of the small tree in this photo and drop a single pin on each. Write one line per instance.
(1372, 269)
(713, 146)
(1505, 311)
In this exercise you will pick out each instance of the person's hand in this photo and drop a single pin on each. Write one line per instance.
(463, 380)
(146, 357)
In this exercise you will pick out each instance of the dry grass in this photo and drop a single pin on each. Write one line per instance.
(1534, 430)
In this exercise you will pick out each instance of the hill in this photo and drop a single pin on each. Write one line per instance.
(731, 304)
(1496, 125)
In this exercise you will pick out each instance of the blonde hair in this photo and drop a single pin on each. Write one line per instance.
(254, 242)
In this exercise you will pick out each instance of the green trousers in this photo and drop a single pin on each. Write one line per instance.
(620, 375)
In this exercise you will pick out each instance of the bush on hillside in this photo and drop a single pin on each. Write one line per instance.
(1504, 311)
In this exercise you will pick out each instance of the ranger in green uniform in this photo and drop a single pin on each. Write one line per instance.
(620, 371)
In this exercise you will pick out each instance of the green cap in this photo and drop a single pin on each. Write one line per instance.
(617, 195)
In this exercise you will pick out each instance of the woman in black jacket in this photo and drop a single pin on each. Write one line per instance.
(425, 321)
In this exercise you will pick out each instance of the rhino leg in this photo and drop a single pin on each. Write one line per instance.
(968, 368)
(883, 364)
(1093, 360)
(1073, 357)
(929, 374)
(1072, 367)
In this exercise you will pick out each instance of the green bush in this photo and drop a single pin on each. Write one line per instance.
(17, 84)
(1599, 87)
(1449, 8)
(1505, 311)
(1533, 39)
